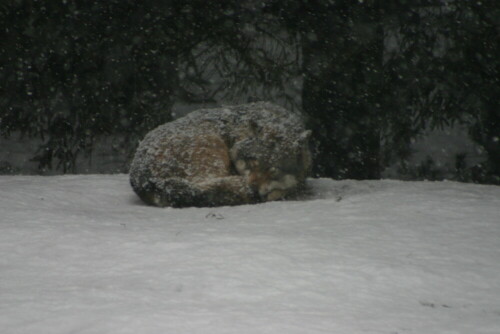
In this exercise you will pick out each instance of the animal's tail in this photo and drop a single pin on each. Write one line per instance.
(178, 192)
(174, 192)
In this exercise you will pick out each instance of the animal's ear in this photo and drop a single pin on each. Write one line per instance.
(304, 136)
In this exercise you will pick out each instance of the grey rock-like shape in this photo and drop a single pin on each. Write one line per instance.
(223, 156)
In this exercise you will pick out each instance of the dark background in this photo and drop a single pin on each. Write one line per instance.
(370, 76)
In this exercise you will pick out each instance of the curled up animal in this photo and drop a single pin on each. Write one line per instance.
(223, 156)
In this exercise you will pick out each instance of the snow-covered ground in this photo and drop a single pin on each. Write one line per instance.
(81, 254)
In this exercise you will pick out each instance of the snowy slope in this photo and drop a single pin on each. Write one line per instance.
(80, 254)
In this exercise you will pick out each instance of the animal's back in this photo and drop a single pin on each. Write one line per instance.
(174, 157)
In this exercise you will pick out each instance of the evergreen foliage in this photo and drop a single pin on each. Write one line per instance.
(374, 73)
(378, 73)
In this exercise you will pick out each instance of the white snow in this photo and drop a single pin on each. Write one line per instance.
(81, 254)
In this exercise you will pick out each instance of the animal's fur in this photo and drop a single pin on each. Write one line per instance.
(225, 156)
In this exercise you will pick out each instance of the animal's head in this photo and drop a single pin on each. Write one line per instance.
(275, 165)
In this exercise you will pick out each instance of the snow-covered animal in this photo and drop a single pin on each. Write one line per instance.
(223, 156)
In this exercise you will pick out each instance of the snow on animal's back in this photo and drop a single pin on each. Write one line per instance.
(206, 143)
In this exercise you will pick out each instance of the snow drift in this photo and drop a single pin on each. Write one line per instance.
(82, 254)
